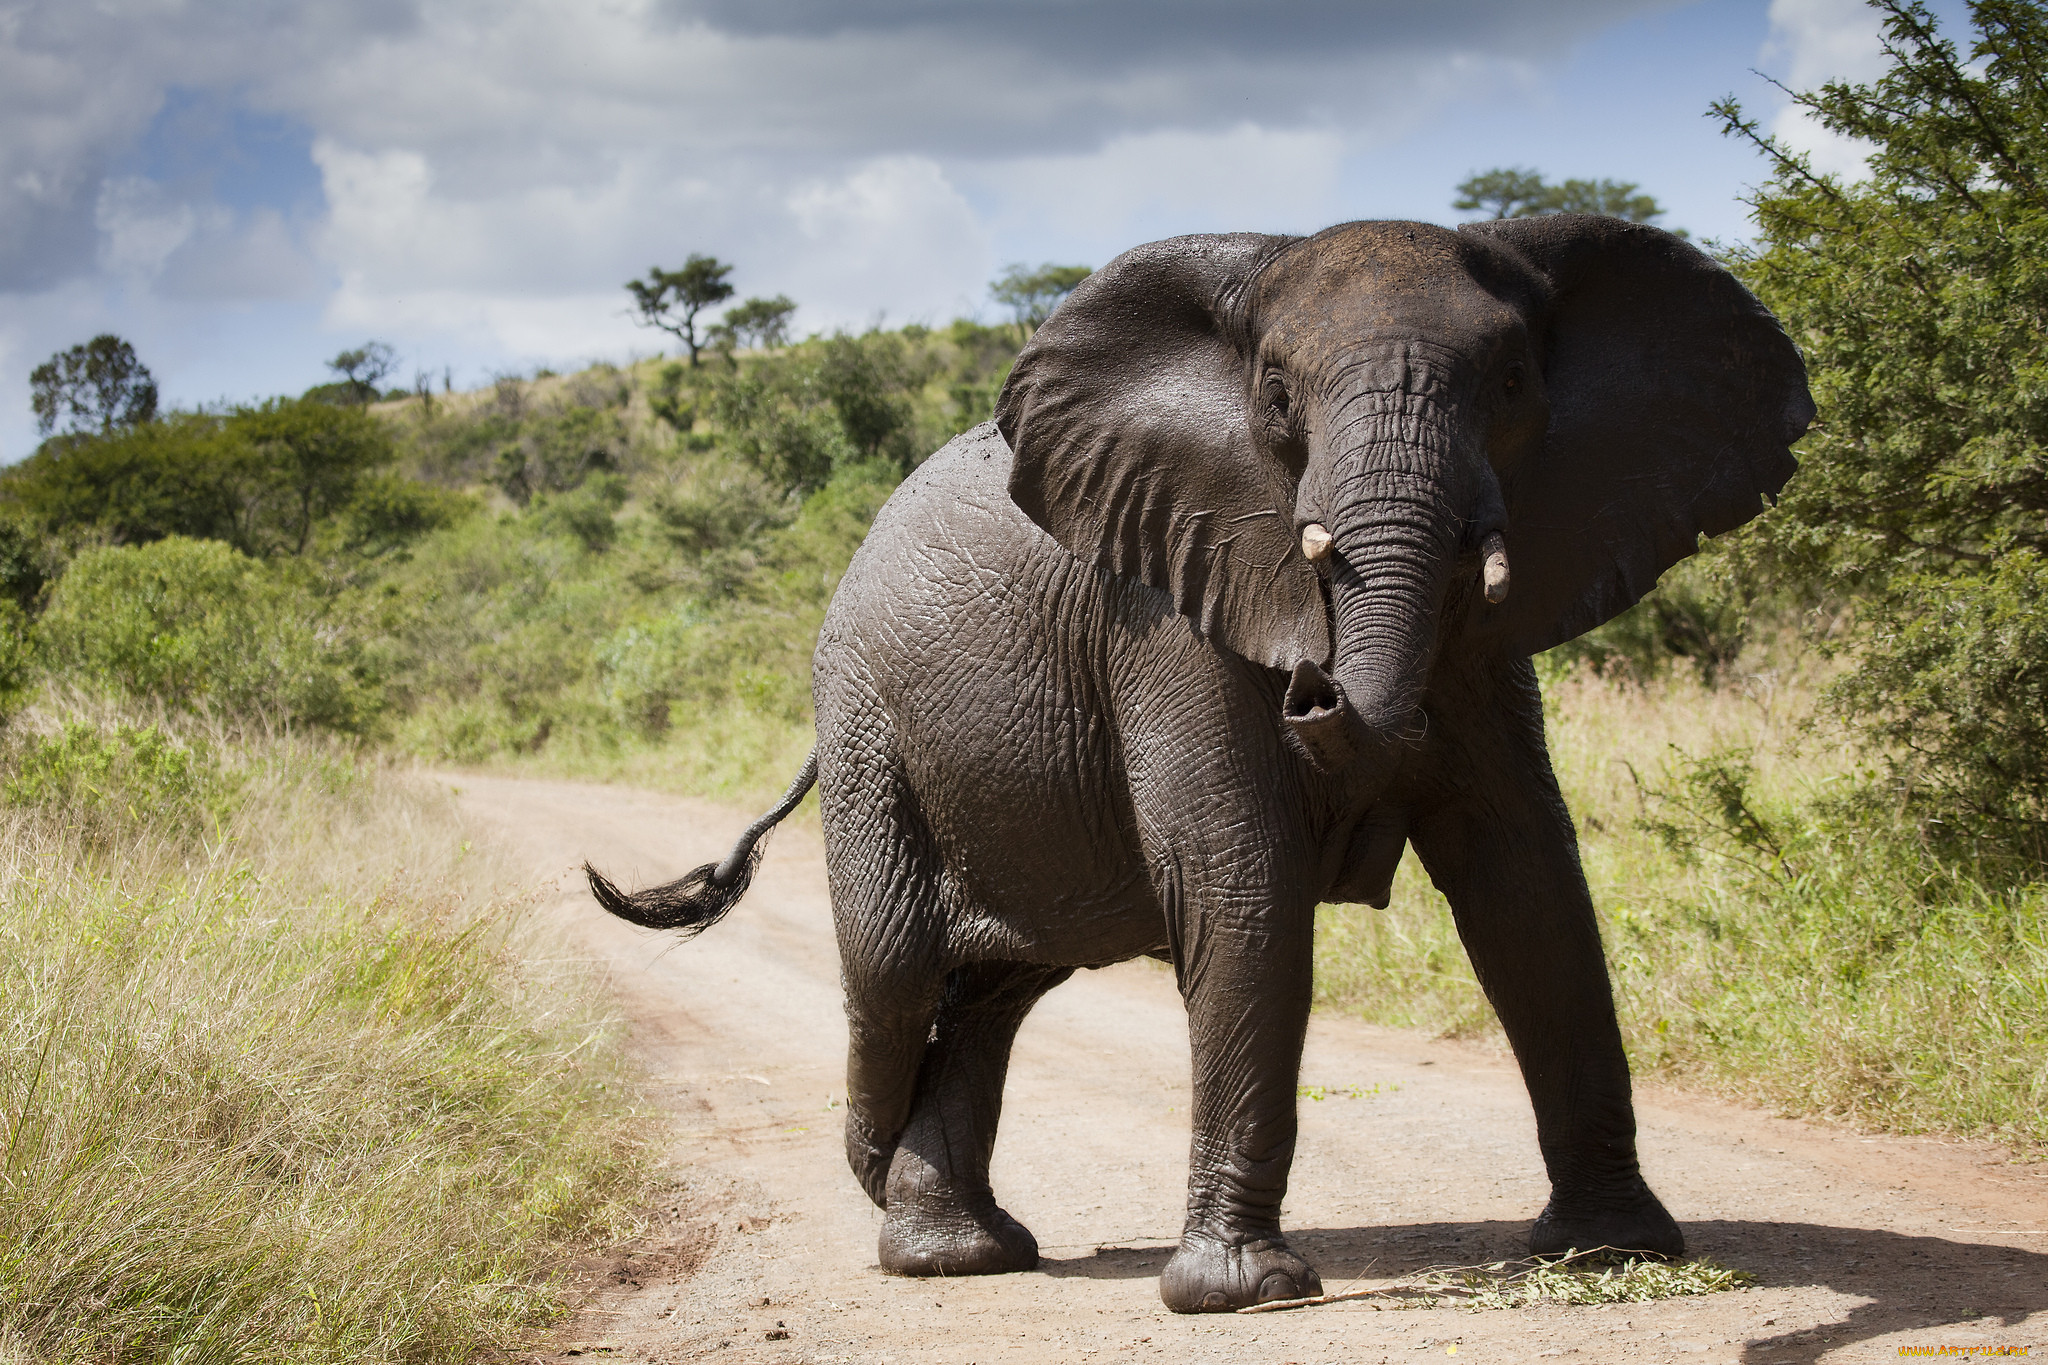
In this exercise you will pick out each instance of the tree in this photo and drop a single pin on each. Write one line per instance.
(262, 478)
(98, 388)
(1919, 296)
(672, 299)
(1031, 294)
(363, 369)
(1511, 192)
(756, 322)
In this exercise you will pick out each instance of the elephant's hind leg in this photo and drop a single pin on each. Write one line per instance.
(942, 1215)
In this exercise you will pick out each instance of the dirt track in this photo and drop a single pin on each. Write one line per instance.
(766, 1249)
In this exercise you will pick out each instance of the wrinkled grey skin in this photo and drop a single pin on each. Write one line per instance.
(1081, 697)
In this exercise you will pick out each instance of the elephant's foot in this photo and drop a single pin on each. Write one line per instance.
(937, 1234)
(1634, 1221)
(1207, 1276)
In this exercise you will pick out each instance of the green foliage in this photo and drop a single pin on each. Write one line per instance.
(95, 389)
(27, 562)
(1520, 193)
(17, 656)
(779, 418)
(198, 625)
(265, 478)
(587, 514)
(554, 451)
(362, 370)
(1920, 298)
(1954, 686)
(105, 780)
(1032, 292)
(1820, 950)
(755, 322)
(388, 512)
(870, 381)
(672, 299)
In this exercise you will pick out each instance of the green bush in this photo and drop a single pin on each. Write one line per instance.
(263, 478)
(1952, 680)
(1918, 295)
(128, 776)
(197, 625)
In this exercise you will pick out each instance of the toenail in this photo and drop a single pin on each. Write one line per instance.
(1214, 1300)
(1277, 1286)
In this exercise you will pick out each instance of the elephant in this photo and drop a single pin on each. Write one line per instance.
(1234, 602)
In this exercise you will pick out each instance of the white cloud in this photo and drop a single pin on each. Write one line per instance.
(1142, 185)
(1813, 42)
(139, 228)
(893, 232)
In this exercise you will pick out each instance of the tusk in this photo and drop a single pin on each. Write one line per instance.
(1315, 542)
(1493, 571)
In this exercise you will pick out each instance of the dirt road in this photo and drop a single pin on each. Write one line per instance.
(1419, 1153)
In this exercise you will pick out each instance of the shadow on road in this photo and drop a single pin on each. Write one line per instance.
(1909, 1284)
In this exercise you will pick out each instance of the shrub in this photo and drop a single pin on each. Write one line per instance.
(262, 478)
(1953, 681)
(1918, 295)
(96, 780)
(196, 625)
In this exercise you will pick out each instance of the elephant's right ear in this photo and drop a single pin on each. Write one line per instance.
(1130, 418)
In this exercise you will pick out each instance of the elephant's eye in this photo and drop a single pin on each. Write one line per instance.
(1276, 397)
(1513, 382)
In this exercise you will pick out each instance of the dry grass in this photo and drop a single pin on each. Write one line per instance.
(291, 1083)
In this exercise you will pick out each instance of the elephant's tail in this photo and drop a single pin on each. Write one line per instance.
(699, 899)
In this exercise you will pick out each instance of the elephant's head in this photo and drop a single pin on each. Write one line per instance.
(1343, 455)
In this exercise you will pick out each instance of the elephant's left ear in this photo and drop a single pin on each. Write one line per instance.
(1130, 419)
(1674, 401)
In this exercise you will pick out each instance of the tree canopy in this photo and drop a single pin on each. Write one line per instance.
(264, 478)
(756, 322)
(672, 299)
(1512, 192)
(96, 388)
(362, 369)
(1919, 296)
(1032, 292)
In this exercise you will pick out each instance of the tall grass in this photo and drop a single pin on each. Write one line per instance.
(279, 1080)
(1771, 930)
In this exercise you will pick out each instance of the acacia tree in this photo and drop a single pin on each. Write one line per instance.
(672, 299)
(1031, 293)
(756, 322)
(1919, 296)
(1512, 192)
(363, 369)
(96, 389)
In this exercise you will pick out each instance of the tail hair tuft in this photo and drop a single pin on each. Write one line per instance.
(688, 905)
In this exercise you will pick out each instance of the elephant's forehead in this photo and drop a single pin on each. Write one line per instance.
(1382, 281)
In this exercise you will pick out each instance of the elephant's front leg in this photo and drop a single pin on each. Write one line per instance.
(1502, 850)
(1244, 968)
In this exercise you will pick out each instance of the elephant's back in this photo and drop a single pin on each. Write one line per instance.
(967, 655)
(949, 530)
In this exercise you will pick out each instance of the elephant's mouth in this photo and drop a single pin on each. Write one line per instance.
(1320, 718)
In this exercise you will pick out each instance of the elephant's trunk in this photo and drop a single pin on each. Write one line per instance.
(1398, 511)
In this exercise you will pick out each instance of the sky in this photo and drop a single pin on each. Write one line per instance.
(243, 188)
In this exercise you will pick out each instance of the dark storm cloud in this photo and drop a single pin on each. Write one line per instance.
(1110, 34)
(1026, 76)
